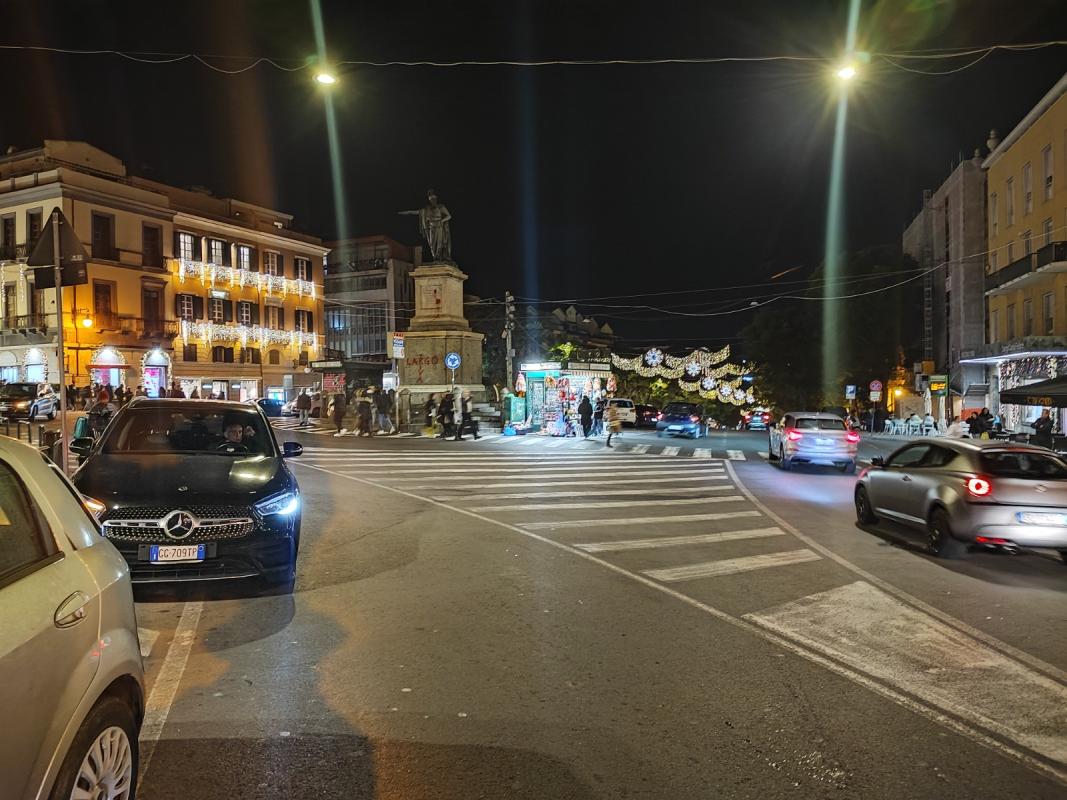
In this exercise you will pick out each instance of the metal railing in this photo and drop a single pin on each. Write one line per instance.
(1016, 269)
(1050, 253)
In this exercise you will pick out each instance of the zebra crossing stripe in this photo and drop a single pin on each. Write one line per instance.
(611, 523)
(731, 566)
(482, 484)
(670, 451)
(680, 501)
(637, 449)
(701, 453)
(595, 491)
(675, 541)
(735, 455)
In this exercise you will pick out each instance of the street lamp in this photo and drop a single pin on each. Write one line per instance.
(325, 78)
(846, 73)
(87, 322)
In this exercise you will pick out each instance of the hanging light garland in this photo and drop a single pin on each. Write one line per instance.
(700, 371)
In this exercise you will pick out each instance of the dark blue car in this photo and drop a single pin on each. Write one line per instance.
(681, 419)
(189, 490)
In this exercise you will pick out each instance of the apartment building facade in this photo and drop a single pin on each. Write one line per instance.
(369, 295)
(1026, 280)
(185, 288)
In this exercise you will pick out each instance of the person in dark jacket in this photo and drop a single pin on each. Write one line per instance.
(466, 421)
(365, 413)
(585, 414)
(338, 407)
(598, 417)
(1043, 430)
(446, 412)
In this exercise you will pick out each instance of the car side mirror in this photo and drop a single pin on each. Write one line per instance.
(82, 445)
(878, 461)
(292, 449)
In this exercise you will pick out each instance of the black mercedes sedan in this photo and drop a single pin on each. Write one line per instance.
(194, 490)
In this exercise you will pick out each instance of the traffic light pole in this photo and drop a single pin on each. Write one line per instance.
(509, 324)
(57, 258)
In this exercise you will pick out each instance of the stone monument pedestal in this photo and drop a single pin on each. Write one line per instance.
(437, 329)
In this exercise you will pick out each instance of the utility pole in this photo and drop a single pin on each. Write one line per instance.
(509, 326)
(63, 444)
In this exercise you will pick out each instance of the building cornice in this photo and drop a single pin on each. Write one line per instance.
(239, 233)
(1043, 105)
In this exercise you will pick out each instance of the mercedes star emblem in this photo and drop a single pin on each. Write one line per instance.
(183, 488)
(178, 524)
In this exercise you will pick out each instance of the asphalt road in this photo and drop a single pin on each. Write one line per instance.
(522, 617)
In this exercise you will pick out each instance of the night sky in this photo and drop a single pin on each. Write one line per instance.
(565, 182)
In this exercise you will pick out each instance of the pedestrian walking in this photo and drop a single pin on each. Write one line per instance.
(446, 413)
(303, 407)
(364, 414)
(585, 413)
(467, 421)
(598, 417)
(383, 405)
(614, 424)
(1042, 430)
(338, 406)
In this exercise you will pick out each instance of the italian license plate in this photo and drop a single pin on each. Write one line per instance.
(824, 442)
(674, 427)
(166, 553)
(1040, 518)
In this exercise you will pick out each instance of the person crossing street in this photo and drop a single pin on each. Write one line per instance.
(303, 407)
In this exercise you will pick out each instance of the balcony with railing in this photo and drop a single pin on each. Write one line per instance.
(218, 275)
(125, 325)
(1022, 272)
(18, 329)
(247, 335)
(14, 252)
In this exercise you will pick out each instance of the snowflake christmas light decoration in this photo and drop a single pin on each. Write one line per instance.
(654, 357)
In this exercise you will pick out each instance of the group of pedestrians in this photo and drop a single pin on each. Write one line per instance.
(452, 415)
(595, 418)
(375, 411)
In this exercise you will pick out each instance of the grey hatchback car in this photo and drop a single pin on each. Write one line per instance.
(964, 492)
(71, 678)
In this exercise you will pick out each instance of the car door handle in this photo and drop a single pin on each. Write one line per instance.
(906, 477)
(71, 611)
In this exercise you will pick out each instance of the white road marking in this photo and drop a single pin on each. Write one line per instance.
(975, 734)
(706, 475)
(529, 440)
(165, 689)
(730, 566)
(595, 492)
(701, 453)
(147, 640)
(464, 475)
(479, 459)
(670, 451)
(611, 523)
(680, 501)
(763, 454)
(639, 448)
(533, 470)
(870, 631)
(675, 541)
(735, 455)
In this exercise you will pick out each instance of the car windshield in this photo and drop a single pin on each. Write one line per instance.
(820, 424)
(226, 432)
(1023, 464)
(18, 389)
(681, 408)
(623, 403)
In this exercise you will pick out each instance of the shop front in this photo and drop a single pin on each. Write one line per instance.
(1012, 371)
(108, 367)
(554, 390)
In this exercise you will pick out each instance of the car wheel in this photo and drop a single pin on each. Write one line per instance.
(1063, 556)
(52, 413)
(939, 539)
(783, 462)
(103, 755)
(771, 455)
(864, 510)
(849, 468)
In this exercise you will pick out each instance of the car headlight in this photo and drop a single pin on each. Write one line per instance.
(93, 506)
(22, 404)
(284, 504)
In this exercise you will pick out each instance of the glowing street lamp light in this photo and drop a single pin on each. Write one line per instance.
(846, 73)
(87, 322)
(325, 78)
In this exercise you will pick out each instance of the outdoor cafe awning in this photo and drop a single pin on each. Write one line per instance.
(1051, 393)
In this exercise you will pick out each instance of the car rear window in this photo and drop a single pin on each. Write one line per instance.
(1023, 464)
(623, 403)
(820, 424)
(681, 408)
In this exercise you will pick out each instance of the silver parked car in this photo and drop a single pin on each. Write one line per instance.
(970, 491)
(71, 679)
(812, 437)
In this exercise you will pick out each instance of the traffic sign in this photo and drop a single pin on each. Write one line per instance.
(452, 360)
(939, 385)
(876, 395)
(73, 260)
(850, 391)
(876, 386)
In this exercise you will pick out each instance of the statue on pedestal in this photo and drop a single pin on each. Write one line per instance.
(434, 226)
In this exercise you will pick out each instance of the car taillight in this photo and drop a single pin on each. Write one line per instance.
(793, 436)
(852, 436)
(659, 415)
(694, 418)
(766, 417)
(979, 487)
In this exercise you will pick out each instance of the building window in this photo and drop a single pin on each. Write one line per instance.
(186, 249)
(1028, 188)
(251, 355)
(994, 325)
(274, 357)
(104, 236)
(1028, 242)
(1028, 317)
(303, 361)
(189, 352)
(357, 331)
(1010, 200)
(303, 321)
(993, 261)
(214, 310)
(1046, 171)
(151, 246)
(222, 355)
(34, 225)
(1047, 314)
(994, 223)
(303, 269)
(185, 306)
(1011, 252)
(274, 318)
(1046, 231)
(270, 263)
(217, 251)
(244, 313)
(1011, 321)
(244, 257)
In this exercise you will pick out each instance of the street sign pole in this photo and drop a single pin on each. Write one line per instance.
(453, 378)
(63, 444)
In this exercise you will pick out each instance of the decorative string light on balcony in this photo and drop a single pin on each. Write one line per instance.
(212, 274)
(214, 332)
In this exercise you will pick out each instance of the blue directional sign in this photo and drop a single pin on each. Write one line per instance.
(452, 360)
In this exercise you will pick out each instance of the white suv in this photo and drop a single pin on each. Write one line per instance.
(625, 409)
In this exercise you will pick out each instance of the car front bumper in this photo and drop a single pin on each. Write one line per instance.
(679, 428)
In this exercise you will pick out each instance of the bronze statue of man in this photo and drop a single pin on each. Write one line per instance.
(434, 226)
